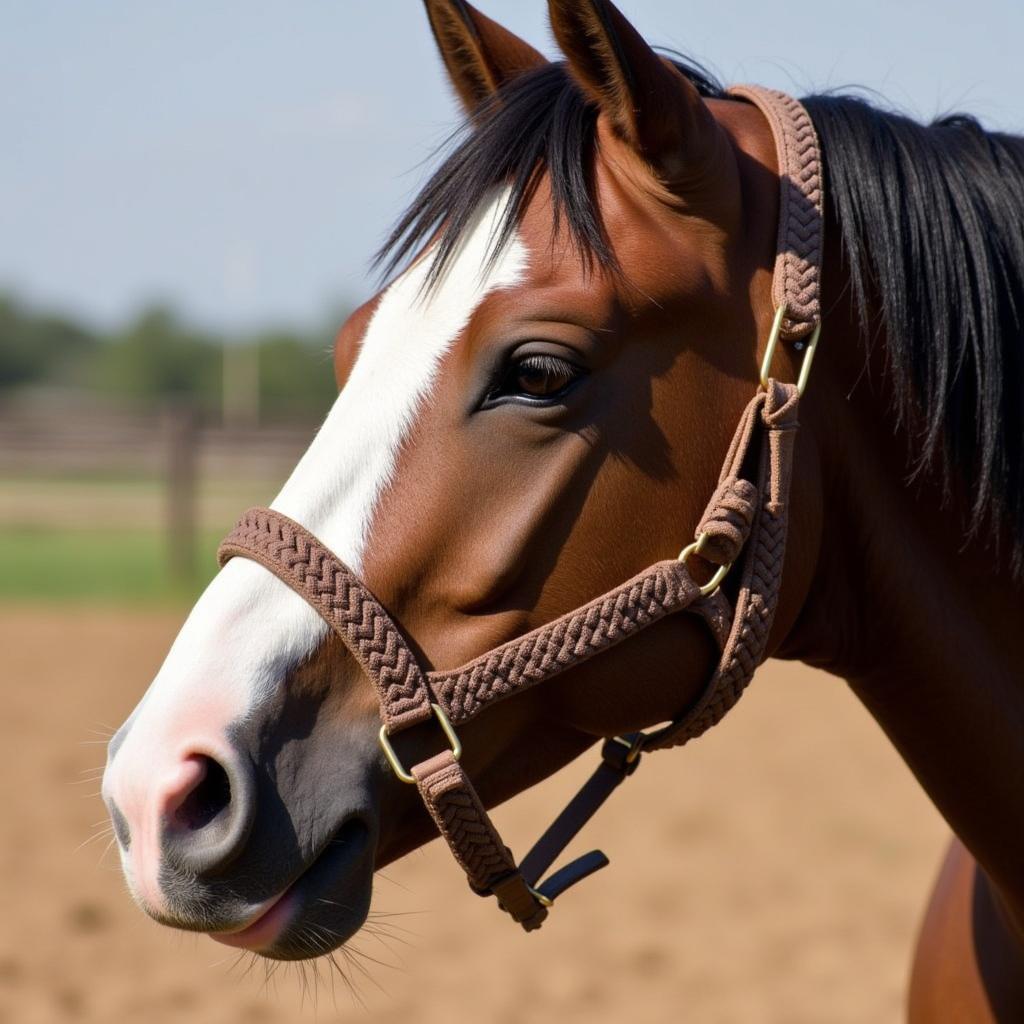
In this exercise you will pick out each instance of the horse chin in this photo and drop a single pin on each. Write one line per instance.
(321, 909)
(324, 904)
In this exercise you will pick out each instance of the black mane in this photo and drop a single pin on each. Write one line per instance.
(932, 225)
(541, 123)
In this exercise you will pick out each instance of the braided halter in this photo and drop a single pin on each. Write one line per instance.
(745, 517)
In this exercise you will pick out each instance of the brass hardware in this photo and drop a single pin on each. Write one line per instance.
(720, 573)
(635, 747)
(773, 341)
(389, 751)
(544, 901)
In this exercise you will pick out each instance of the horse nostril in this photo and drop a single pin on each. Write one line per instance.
(207, 810)
(206, 799)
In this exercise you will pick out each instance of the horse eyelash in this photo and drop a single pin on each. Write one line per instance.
(498, 387)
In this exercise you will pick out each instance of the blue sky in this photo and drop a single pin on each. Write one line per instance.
(243, 159)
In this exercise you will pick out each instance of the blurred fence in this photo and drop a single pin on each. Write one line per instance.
(137, 495)
(49, 438)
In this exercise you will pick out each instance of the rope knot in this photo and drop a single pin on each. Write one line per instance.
(780, 417)
(780, 406)
(727, 520)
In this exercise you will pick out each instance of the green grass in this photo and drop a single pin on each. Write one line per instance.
(96, 565)
(121, 557)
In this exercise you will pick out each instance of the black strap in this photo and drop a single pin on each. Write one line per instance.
(620, 757)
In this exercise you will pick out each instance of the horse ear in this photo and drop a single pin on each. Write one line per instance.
(479, 54)
(649, 103)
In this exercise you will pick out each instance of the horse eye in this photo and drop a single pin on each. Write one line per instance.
(540, 376)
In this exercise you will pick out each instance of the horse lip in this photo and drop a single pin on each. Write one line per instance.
(271, 919)
(264, 926)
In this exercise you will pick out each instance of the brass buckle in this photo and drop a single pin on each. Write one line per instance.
(773, 341)
(720, 573)
(544, 901)
(634, 747)
(389, 751)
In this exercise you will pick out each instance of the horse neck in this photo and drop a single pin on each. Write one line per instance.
(925, 627)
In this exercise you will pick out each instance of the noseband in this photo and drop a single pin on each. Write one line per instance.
(746, 517)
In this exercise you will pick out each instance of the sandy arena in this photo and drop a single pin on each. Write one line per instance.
(775, 871)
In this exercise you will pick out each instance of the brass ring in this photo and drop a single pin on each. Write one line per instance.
(720, 573)
(773, 341)
(389, 751)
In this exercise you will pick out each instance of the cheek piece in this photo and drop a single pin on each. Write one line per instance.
(746, 518)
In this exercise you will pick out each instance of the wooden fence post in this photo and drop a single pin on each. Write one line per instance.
(181, 428)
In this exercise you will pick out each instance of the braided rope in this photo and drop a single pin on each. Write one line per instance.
(761, 583)
(797, 279)
(665, 588)
(308, 567)
(462, 820)
(464, 823)
(295, 556)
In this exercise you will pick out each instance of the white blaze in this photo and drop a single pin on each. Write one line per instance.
(248, 628)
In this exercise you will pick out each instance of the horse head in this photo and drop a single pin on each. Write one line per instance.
(535, 408)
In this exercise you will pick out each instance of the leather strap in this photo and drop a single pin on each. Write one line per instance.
(620, 757)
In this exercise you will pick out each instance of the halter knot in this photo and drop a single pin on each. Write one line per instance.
(780, 417)
(727, 520)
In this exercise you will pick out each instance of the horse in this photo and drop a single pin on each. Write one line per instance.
(535, 407)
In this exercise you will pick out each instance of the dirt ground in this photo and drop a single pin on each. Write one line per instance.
(773, 872)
